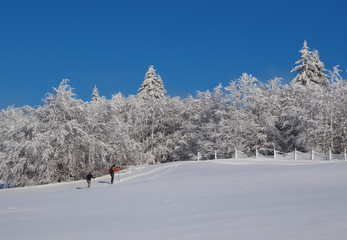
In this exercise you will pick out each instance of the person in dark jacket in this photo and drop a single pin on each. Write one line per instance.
(111, 172)
(89, 178)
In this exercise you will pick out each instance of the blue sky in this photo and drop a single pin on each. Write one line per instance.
(194, 45)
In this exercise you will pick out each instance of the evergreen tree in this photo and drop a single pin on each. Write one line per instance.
(95, 94)
(306, 71)
(311, 71)
(152, 86)
(319, 76)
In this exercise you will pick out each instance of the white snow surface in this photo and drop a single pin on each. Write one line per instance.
(217, 199)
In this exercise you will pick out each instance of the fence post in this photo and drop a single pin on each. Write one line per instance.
(295, 156)
(274, 153)
(215, 154)
(345, 155)
(256, 153)
(235, 153)
(329, 154)
(198, 156)
(312, 154)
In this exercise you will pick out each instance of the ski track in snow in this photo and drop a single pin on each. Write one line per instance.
(125, 176)
(168, 169)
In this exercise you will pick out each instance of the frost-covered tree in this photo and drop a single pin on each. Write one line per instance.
(95, 94)
(315, 110)
(266, 107)
(150, 113)
(311, 70)
(239, 126)
(200, 122)
(322, 111)
(154, 124)
(320, 77)
(56, 142)
(334, 75)
(337, 99)
(290, 123)
(152, 86)
(70, 146)
(127, 149)
(17, 150)
(306, 69)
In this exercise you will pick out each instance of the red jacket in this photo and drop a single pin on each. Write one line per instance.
(112, 169)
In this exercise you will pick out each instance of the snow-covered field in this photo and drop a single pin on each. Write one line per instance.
(220, 199)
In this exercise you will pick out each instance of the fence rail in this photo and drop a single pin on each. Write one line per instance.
(274, 154)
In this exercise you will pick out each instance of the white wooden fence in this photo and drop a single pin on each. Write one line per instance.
(264, 153)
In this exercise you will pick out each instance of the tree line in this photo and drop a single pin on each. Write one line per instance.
(67, 137)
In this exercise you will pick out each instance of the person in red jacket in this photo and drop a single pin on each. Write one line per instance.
(111, 172)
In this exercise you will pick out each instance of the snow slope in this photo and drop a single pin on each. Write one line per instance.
(220, 199)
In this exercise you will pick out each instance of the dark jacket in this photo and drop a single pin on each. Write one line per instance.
(89, 176)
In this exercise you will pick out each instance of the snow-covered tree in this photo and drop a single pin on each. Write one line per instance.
(306, 70)
(153, 124)
(200, 122)
(95, 94)
(17, 130)
(57, 142)
(241, 91)
(266, 107)
(334, 75)
(239, 126)
(320, 77)
(291, 122)
(127, 149)
(337, 99)
(152, 86)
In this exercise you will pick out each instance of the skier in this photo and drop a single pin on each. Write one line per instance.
(89, 178)
(111, 172)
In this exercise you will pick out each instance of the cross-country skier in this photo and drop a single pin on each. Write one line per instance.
(89, 178)
(111, 172)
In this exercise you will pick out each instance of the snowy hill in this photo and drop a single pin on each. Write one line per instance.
(220, 199)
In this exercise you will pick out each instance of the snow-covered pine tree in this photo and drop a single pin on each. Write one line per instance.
(320, 77)
(306, 71)
(152, 86)
(95, 94)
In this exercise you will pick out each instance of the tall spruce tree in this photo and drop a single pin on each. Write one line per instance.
(95, 94)
(320, 76)
(311, 70)
(306, 69)
(152, 86)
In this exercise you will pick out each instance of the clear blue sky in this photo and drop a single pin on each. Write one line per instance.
(194, 45)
